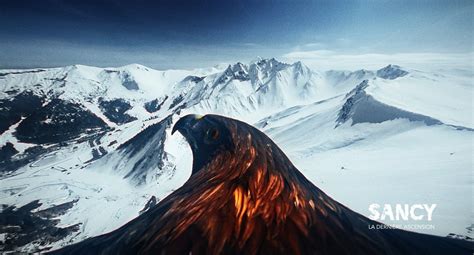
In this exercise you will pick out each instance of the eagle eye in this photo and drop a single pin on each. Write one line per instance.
(212, 134)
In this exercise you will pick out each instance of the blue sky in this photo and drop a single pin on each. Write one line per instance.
(187, 34)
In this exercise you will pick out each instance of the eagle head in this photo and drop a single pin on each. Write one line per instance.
(207, 136)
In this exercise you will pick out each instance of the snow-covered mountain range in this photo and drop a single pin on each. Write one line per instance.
(83, 150)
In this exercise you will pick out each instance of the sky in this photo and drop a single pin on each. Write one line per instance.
(190, 34)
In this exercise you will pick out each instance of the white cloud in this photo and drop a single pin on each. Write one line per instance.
(326, 60)
(315, 45)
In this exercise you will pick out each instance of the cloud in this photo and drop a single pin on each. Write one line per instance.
(315, 45)
(249, 44)
(327, 60)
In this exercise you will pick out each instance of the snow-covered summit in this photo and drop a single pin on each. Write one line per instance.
(391, 72)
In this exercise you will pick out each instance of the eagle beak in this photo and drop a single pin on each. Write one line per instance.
(185, 122)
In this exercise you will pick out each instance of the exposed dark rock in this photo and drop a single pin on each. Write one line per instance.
(111, 71)
(22, 72)
(351, 98)
(152, 202)
(460, 237)
(7, 151)
(58, 121)
(128, 81)
(29, 155)
(11, 92)
(97, 153)
(155, 105)
(237, 72)
(93, 136)
(21, 105)
(115, 110)
(57, 210)
(176, 101)
(266, 68)
(391, 72)
(193, 78)
(59, 81)
(470, 229)
(22, 226)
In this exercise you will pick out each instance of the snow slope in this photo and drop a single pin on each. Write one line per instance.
(95, 147)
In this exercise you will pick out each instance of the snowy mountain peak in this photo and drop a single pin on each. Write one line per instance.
(244, 88)
(363, 73)
(269, 64)
(299, 64)
(258, 72)
(237, 71)
(134, 66)
(391, 72)
(264, 69)
(358, 89)
(362, 107)
(301, 68)
(256, 59)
